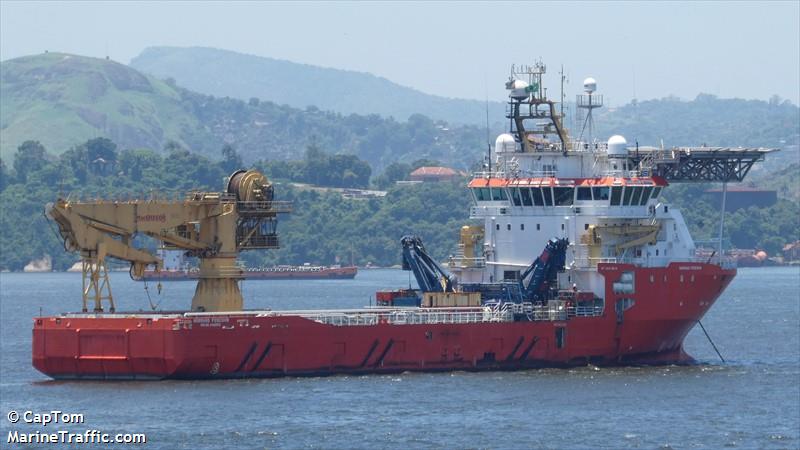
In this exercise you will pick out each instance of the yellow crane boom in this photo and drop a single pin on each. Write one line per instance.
(212, 226)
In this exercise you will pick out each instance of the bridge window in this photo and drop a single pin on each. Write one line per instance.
(584, 193)
(563, 196)
(548, 196)
(522, 227)
(508, 227)
(526, 196)
(536, 193)
(499, 194)
(637, 193)
(626, 198)
(538, 227)
(482, 194)
(515, 197)
(645, 195)
(600, 193)
(616, 195)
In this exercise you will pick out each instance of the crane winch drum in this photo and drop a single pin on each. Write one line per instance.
(249, 186)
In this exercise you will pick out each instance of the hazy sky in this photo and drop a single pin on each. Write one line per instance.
(454, 49)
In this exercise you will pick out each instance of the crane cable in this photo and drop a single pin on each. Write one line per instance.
(709, 340)
(147, 291)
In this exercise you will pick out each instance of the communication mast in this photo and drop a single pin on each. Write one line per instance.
(588, 101)
(528, 101)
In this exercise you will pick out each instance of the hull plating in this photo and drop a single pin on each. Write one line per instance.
(240, 345)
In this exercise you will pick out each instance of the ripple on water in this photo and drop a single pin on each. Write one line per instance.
(750, 401)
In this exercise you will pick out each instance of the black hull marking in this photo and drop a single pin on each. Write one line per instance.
(385, 351)
(369, 353)
(246, 357)
(516, 347)
(263, 355)
(527, 351)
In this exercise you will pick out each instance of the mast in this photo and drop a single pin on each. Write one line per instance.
(528, 102)
(589, 101)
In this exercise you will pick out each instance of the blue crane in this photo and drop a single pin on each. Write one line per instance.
(430, 275)
(544, 270)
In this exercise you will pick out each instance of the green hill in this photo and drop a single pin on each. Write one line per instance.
(229, 74)
(62, 100)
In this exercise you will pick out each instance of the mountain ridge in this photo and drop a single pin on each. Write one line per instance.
(209, 70)
(63, 100)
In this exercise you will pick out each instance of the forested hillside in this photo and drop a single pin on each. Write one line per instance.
(71, 124)
(324, 228)
(63, 100)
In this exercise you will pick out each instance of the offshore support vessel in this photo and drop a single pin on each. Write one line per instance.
(616, 283)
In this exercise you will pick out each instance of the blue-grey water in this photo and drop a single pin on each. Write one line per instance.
(750, 401)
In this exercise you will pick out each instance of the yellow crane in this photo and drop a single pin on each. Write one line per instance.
(212, 226)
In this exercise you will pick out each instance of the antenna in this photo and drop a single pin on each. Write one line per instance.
(563, 98)
(589, 101)
(488, 137)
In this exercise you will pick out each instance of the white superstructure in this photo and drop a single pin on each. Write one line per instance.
(603, 197)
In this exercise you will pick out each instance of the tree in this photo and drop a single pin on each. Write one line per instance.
(316, 162)
(231, 161)
(424, 162)
(30, 157)
(101, 148)
(394, 172)
(172, 145)
(3, 175)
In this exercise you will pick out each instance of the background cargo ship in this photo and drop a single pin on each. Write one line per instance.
(616, 283)
(175, 269)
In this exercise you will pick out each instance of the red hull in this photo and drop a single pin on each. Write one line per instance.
(266, 344)
(326, 273)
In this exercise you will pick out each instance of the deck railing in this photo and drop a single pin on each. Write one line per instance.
(554, 310)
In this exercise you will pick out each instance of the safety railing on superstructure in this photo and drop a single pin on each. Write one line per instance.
(461, 261)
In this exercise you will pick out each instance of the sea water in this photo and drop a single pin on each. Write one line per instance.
(752, 400)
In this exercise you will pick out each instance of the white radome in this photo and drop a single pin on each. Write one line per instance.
(519, 90)
(617, 147)
(589, 85)
(505, 143)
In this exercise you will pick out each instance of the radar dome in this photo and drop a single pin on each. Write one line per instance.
(505, 143)
(519, 90)
(589, 85)
(617, 147)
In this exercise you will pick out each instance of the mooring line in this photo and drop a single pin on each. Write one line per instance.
(709, 340)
